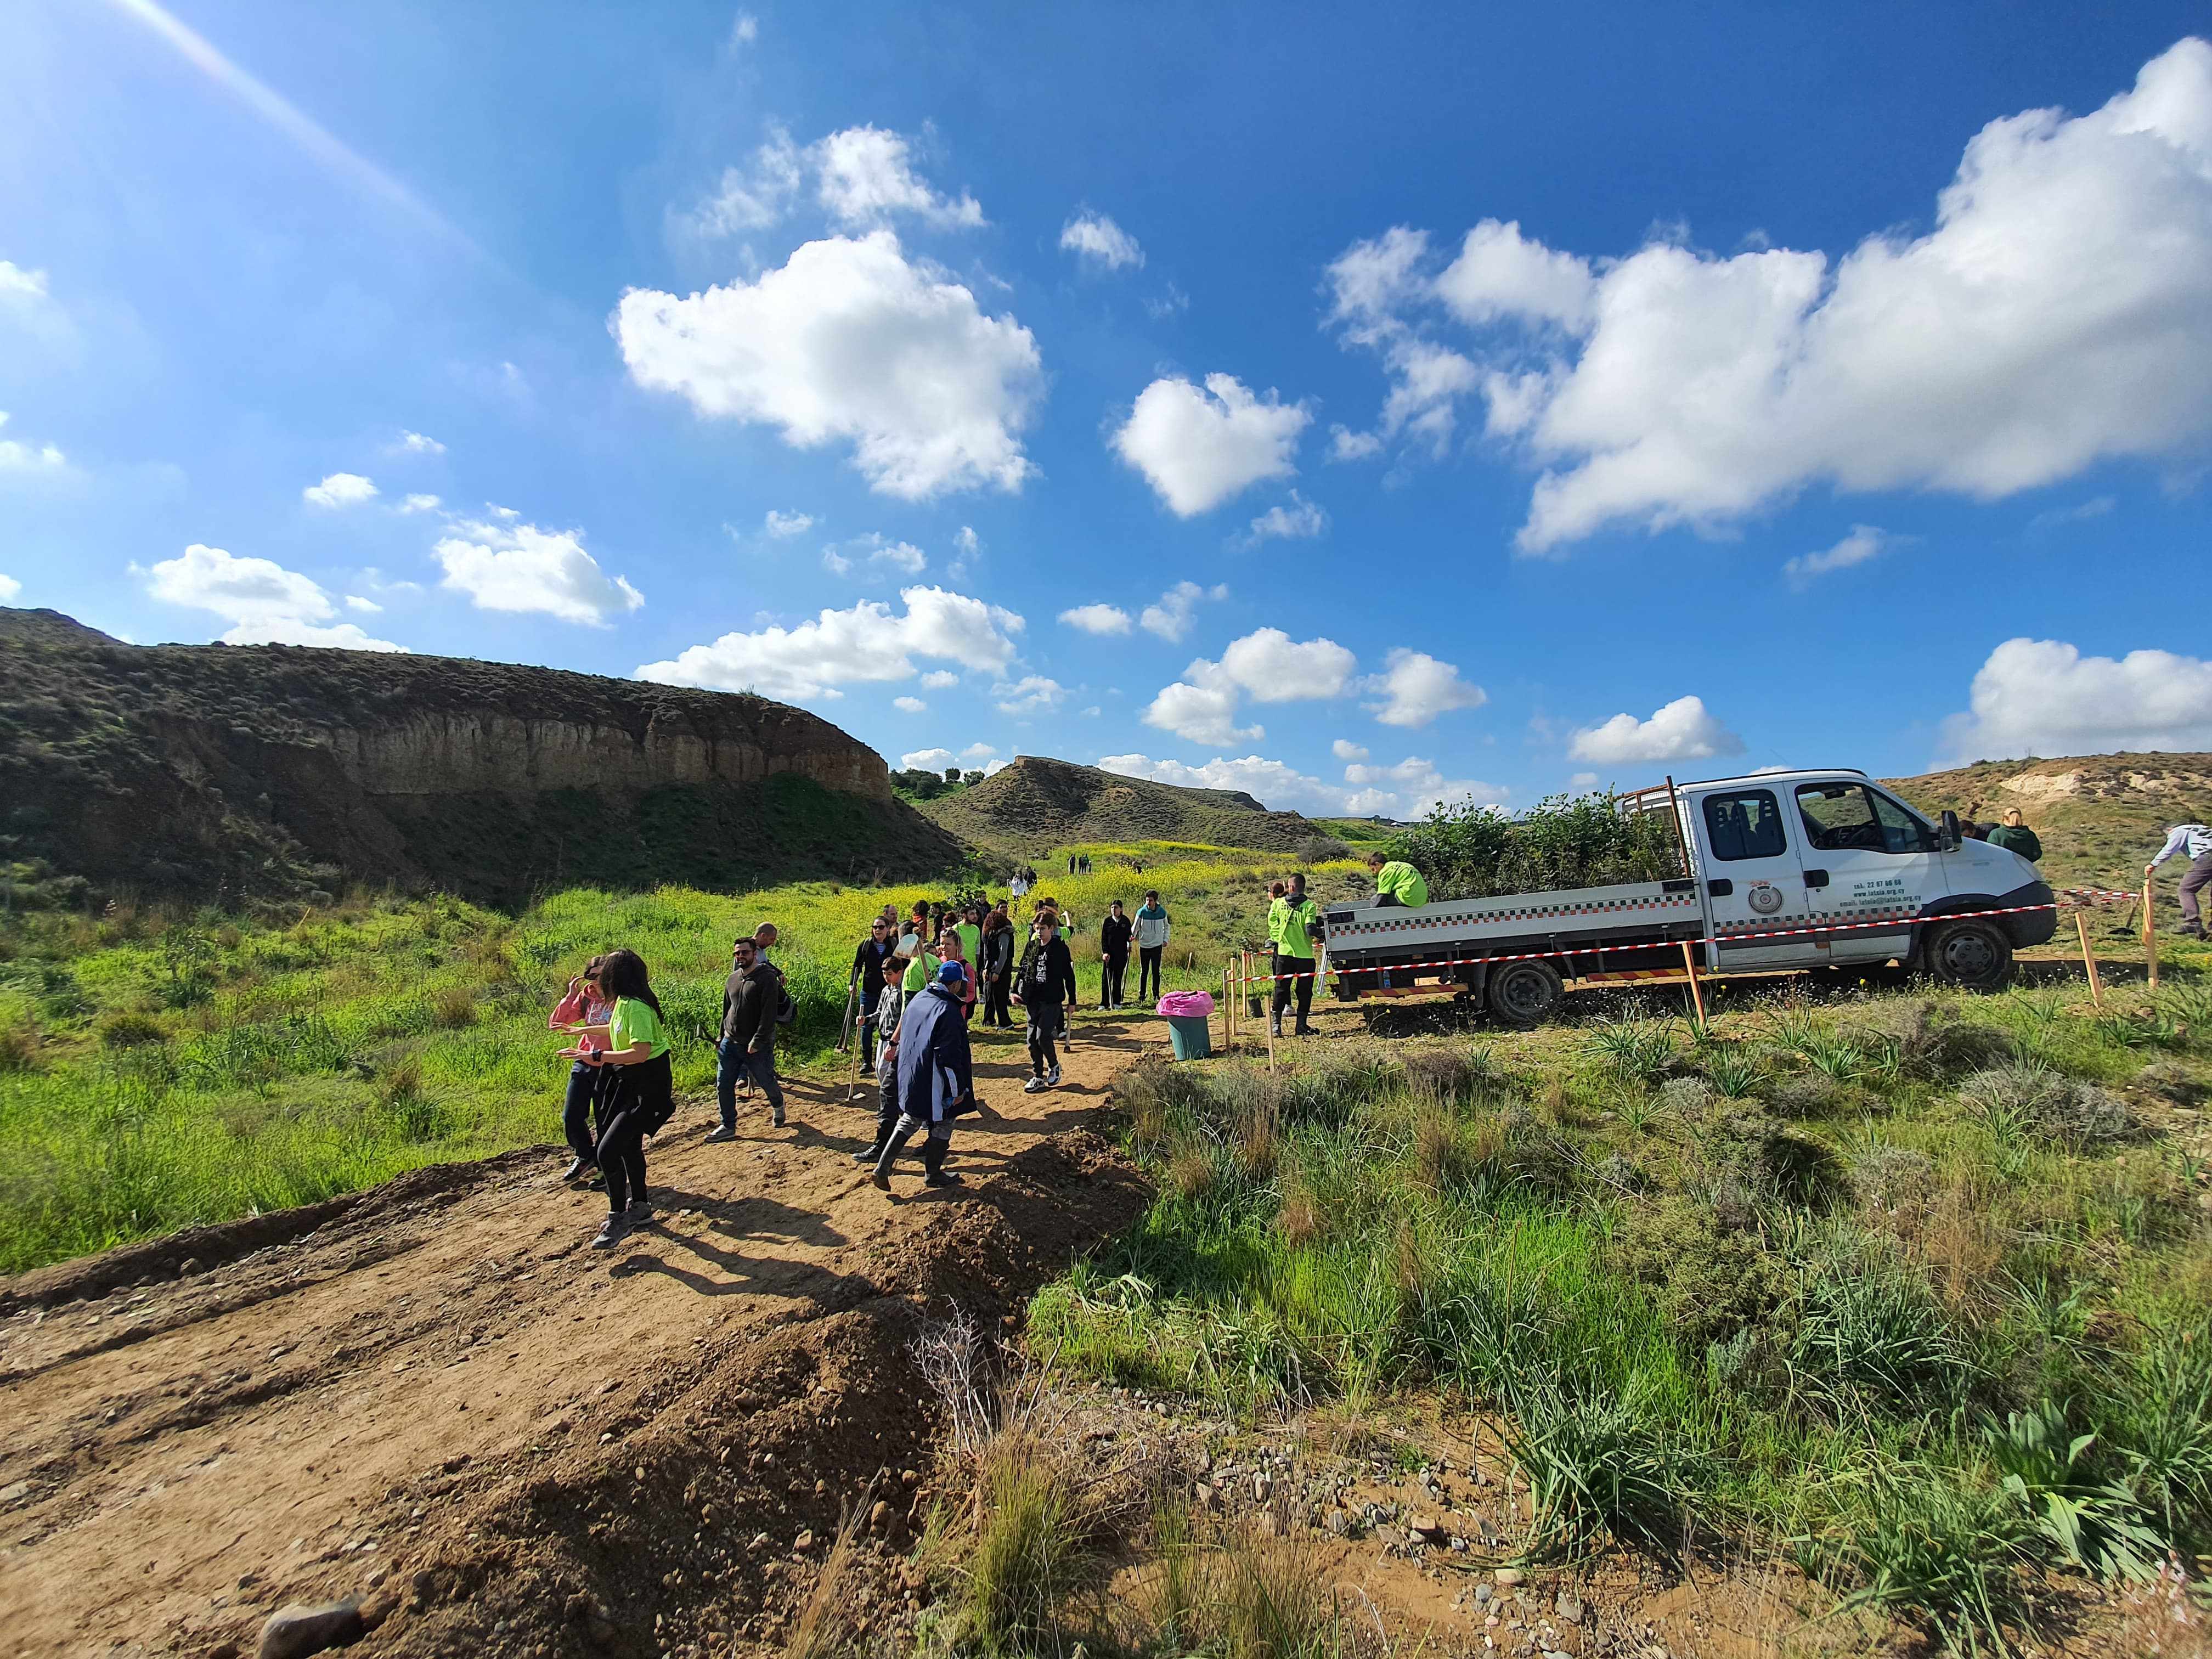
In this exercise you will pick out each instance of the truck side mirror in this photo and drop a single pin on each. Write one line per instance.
(1947, 839)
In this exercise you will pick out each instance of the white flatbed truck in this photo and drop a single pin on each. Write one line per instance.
(1782, 872)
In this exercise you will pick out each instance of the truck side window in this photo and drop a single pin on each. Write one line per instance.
(1902, 830)
(1839, 818)
(1744, 826)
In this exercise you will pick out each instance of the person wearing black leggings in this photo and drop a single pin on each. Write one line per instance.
(1045, 986)
(639, 1091)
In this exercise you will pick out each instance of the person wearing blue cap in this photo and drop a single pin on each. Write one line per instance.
(935, 1076)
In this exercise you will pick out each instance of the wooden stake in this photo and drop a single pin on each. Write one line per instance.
(1274, 1019)
(1696, 996)
(2089, 957)
(1228, 1036)
(2150, 932)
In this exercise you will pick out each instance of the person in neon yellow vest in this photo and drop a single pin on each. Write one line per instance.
(1397, 883)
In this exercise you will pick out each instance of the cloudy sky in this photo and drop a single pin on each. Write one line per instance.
(1353, 406)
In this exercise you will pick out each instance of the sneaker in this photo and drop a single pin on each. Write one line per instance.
(722, 1132)
(610, 1233)
(577, 1167)
(1035, 1085)
(941, 1178)
(779, 1120)
(598, 1183)
(640, 1213)
(1052, 1077)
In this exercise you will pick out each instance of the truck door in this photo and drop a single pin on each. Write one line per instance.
(1753, 881)
(1869, 859)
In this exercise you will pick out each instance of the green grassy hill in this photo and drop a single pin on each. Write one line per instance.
(1038, 805)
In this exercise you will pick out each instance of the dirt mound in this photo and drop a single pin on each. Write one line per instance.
(437, 1400)
(1038, 803)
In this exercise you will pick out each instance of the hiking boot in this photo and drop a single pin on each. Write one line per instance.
(577, 1168)
(723, 1132)
(1275, 1026)
(640, 1213)
(1302, 1030)
(1035, 1085)
(942, 1178)
(610, 1233)
(933, 1161)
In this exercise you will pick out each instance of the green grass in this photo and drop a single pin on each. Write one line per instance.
(159, 1068)
(1908, 1285)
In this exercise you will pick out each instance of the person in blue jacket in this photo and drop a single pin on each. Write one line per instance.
(936, 1077)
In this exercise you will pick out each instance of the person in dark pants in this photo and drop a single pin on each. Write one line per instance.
(1292, 922)
(998, 968)
(583, 1005)
(1113, 955)
(935, 1076)
(751, 999)
(868, 960)
(1151, 942)
(639, 1092)
(891, 1006)
(1045, 986)
(2194, 840)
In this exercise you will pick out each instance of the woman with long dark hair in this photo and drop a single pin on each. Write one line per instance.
(639, 1089)
(584, 1006)
(998, 968)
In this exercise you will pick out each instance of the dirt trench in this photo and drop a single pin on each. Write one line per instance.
(435, 1398)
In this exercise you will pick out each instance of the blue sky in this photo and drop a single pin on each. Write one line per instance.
(1354, 409)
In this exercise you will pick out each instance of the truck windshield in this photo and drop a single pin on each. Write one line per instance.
(1850, 817)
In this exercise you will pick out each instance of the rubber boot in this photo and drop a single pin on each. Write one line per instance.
(933, 1161)
(889, 1156)
(1274, 1023)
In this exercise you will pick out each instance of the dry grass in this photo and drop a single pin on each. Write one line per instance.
(818, 1632)
(1191, 1173)
(453, 1007)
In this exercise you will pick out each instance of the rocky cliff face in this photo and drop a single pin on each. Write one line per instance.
(274, 770)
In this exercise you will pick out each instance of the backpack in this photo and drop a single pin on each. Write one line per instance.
(786, 1010)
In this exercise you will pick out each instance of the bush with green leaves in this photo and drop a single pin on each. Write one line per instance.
(1464, 850)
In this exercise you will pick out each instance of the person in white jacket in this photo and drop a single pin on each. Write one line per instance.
(2196, 841)
(1152, 931)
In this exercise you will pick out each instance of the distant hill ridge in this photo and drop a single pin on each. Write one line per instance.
(1036, 802)
(274, 771)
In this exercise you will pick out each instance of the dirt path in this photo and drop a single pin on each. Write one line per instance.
(440, 1400)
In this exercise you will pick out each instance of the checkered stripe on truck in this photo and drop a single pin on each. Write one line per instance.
(1416, 922)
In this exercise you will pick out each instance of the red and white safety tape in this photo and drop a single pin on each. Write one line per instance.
(1888, 924)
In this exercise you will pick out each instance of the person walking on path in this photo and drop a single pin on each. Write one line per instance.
(583, 1005)
(890, 1005)
(640, 1091)
(1019, 886)
(1045, 986)
(2015, 836)
(868, 960)
(970, 924)
(1397, 884)
(997, 968)
(953, 948)
(1292, 921)
(752, 997)
(1113, 955)
(1152, 931)
(2196, 841)
(935, 1075)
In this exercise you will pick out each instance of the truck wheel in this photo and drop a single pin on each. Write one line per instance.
(1523, 994)
(1972, 955)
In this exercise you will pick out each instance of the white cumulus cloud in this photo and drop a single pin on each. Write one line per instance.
(909, 705)
(1406, 790)
(339, 490)
(927, 760)
(1172, 618)
(1095, 239)
(1267, 665)
(417, 443)
(866, 644)
(938, 679)
(787, 523)
(419, 503)
(519, 567)
(1201, 707)
(1683, 730)
(1864, 543)
(1415, 688)
(1033, 694)
(22, 457)
(1344, 750)
(1299, 520)
(2045, 697)
(848, 340)
(1097, 618)
(264, 602)
(9, 588)
(866, 176)
(2057, 313)
(1200, 448)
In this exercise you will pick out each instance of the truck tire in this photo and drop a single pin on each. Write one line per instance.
(1524, 995)
(1975, 956)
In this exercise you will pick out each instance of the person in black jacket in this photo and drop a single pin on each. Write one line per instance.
(1113, 955)
(934, 1076)
(750, 998)
(868, 960)
(997, 967)
(1045, 986)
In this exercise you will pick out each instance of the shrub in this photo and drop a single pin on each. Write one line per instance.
(1889, 1178)
(1686, 1098)
(1933, 1549)
(1467, 851)
(1930, 1042)
(1868, 1326)
(126, 1029)
(1634, 1049)
(453, 1007)
(1600, 1466)
(1709, 1278)
(1451, 1073)
(2033, 1099)
(2170, 1082)
(1811, 1095)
